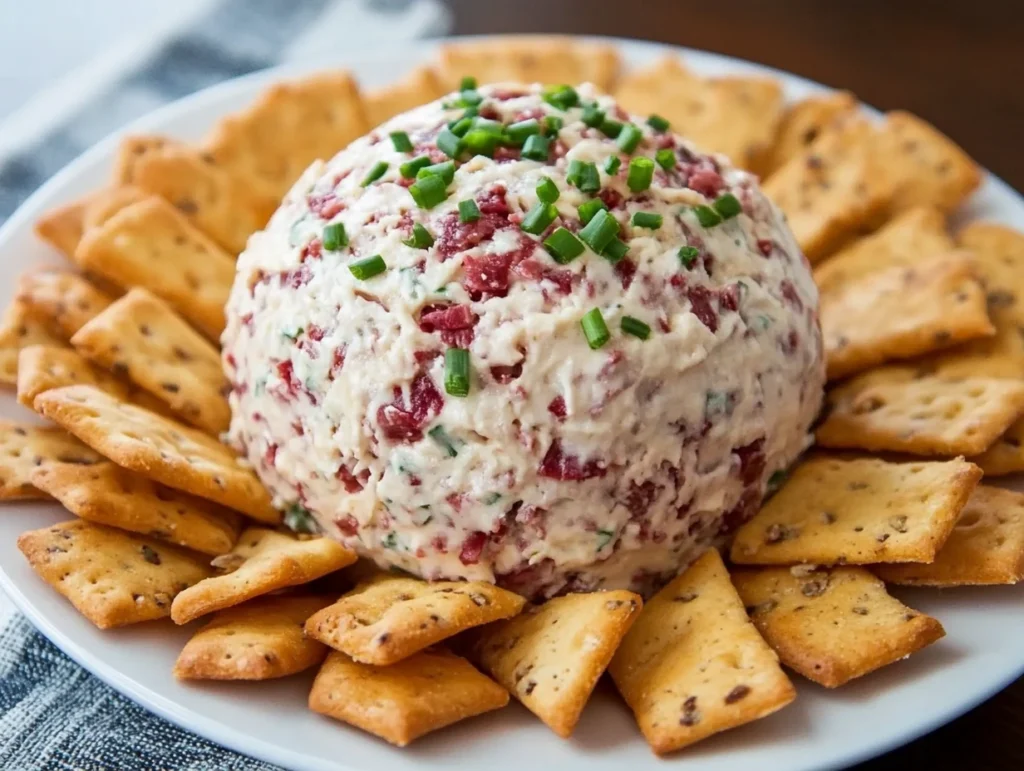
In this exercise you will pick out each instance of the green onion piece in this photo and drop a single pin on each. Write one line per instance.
(471, 112)
(449, 144)
(536, 147)
(468, 211)
(615, 251)
(594, 328)
(445, 171)
(409, 168)
(429, 191)
(368, 268)
(635, 327)
(378, 171)
(593, 116)
(666, 159)
(547, 190)
(401, 141)
(641, 172)
(658, 123)
(589, 209)
(334, 237)
(470, 97)
(584, 176)
(604, 537)
(610, 128)
(468, 83)
(489, 126)
(481, 142)
(611, 166)
(563, 97)
(518, 132)
(728, 206)
(456, 371)
(439, 435)
(420, 239)
(600, 231)
(629, 138)
(563, 246)
(646, 219)
(553, 124)
(688, 255)
(707, 216)
(461, 126)
(538, 218)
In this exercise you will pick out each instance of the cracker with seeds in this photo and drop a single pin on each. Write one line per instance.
(1006, 455)
(427, 691)
(832, 625)
(112, 578)
(985, 548)
(902, 312)
(259, 640)
(999, 253)
(24, 449)
(65, 299)
(804, 121)
(551, 656)
(63, 226)
(152, 245)
(45, 367)
(418, 87)
(387, 619)
(20, 328)
(262, 561)
(160, 449)
(134, 149)
(141, 338)
(834, 511)
(693, 665)
(106, 203)
(109, 495)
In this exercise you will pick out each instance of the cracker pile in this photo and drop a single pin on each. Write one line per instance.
(921, 328)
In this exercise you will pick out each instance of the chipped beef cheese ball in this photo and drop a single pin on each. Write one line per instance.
(518, 335)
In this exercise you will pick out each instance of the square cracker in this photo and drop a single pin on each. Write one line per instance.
(551, 656)
(999, 254)
(66, 300)
(112, 578)
(62, 227)
(141, 338)
(25, 448)
(832, 625)
(152, 245)
(985, 548)
(259, 640)
(902, 312)
(264, 561)
(833, 511)
(693, 665)
(1006, 455)
(418, 87)
(109, 495)
(291, 125)
(132, 150)
(161, 449)
(427, 691)
(44, 367)
(106, 203)
(389, 618)
(803, 121)
(21, 327)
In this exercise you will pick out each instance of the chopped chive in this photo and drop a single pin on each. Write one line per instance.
(547, 190)
(594, 328)
(401, 142)
(646, 219)
(611, 166)
(610, 128)
(378, 171)
(449, 144)
(589, 209)
(553, 124)
(584, 176)
(615, 250)
(688, 255)
(334, 237)
(563, 97)
(563, 246)
(468, 211)
(488, 126)
(728, 206)
(439, 435)
(629, 138)
(461, 126)
(429, 191)
(707, 216)
(536, 147)
(480, 142)
(445, 171)
(471, 112)
(519, 132)
(420, 239)
(666, 159)
(600, 231)
(538, 218)
(409, 168)
(635, 327)
(641, 172)
(468, 83)
(470, 97)
(456, 371)
(368, 268)
(604, 537)
(658, 123)
(593, 116)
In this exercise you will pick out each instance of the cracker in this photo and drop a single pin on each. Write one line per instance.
(141, 338)
(109, 495)
(150, 244)
(390, 618)
(66, 300)
(111, 578)
(529, 59)
(803, 121)
(259, 640)
(551, 656)
(291, 125)
(158, 448)
(834, 190)
(62, 227)
(693, 665)
(999, 253)
(43, 368)
(926, 415)
(902, 312)
(133, 149)
(266, 560)
(20, 328)
(104, 204)
(418, 87)
(833, 511)
(833, 625)
(26, 448)
(401, 703)
(985, 548)
(1006, 455)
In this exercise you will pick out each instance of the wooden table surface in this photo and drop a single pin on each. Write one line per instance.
(955, 64)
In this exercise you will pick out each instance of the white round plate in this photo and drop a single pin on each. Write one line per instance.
(821, 730)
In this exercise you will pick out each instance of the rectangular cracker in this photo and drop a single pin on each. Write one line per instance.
(551, 656)
(902, 312)
(150, 244)
(693, 665)
(985, 548)
(141, 338)
(427, 691)
(109, 495)
(160, 449)
(291, 125)
(389, 618)
(26, 448)
(133, 149)
(104, 204)
(259, 640)
(262, 561)
(832, 625)
(44, 367)
(20, 328)
(62, 227)
(833, 511)
(1006, 455)
(418, 87)
(65, 299)
(112, 578)
(834, 190)
(999, 254)
(803, 122)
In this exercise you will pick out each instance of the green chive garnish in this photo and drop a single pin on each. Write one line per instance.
(553, 124)
(593, 116)
(439, 435)
(429, 191)
(589, 209)
(629, 138)
(615, 251)
(480, 142)
(368, 268)
(449, 144)
(728, 206)
(420, 239)
(635, 327)
(641, 172)
(470, 97)
(378, 171)
(610, 128)
(646, 219)
(488, 126)
(563, 246)
(584, 176)
(461, 126)
(468, 83)
(401, 141)
(445, 171)
(594, 329)
(456, 371)
(658, 123)
(547, 190)
(518, 132)
(562, 97)
(536, 147)
(707, 216)
(334, 237)
(611, 166)
(468, 211)
(666, 159)
(409, 168)
(539, 218)
(600, 231)
(688, 255)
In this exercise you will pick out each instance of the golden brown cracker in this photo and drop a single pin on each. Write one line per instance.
(418, 87)
(44, 367)
(106, 203)
(112, 578)
(63, 226)
(390, 618)
(401, 703)
(66, 300)
(132, 150)
(999, 254)
(693, 665)
(20, 328)
(804, 121)
(26, 448)
(832, 625)
(1006, 455)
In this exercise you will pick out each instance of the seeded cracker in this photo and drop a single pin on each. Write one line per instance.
(985, 548)
(427, 691)
(259, 640)
(266, 560)
(804, 121)
(132, 150)
(833, 512)
(158, 448)
(65, 299)
(834, 625)
(390, 618)
(19, 329)
(43, 368)
(62, 227)
(418, 87)
(1006, 455)
(693, 665)
(551, 656)
(26, 448)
